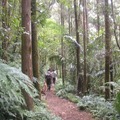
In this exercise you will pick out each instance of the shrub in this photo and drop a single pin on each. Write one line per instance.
(98, 106)
(73, 98)
(11, 98)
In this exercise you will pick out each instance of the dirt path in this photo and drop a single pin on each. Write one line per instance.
(65, 109)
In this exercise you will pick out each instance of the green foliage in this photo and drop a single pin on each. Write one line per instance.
(63, 90)
(40, 113)
(56, 59)
(73, 98)
(116, 92)
(49, 41)
(67, 92)
(50, 33)
(11, 98)
(66, 3)
(42, 13)
(12, 32)
(98, 106)
(117, 103)
(54, 26)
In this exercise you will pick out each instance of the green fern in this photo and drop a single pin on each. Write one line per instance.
(117, 103)
(11, 98)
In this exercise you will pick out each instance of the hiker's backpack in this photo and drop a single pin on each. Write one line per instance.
(47, 76)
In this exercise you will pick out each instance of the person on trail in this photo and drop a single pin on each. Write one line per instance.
(48, 78)
(54, 76)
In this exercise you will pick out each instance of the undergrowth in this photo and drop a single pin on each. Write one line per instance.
(97, 105)
(67, 91)
(12, 100)
(40, 113)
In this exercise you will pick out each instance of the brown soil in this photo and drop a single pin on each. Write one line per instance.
(65, 109)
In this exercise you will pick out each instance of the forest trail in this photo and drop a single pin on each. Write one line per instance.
(65, 109)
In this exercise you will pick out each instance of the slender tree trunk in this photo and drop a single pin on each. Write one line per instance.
(27, 47)
(69, 21)
(111, 74)
(80, 14)
(77, 38)
(111, 59)
(77, 49)
(35, 56)
(98, 18)
(62, 45)
(107, 49)
(84, 43)
(71, 25)
(5, 29)
(119, 32)
(87, 51)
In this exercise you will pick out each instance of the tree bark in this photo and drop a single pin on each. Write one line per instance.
(77, 48)
(5, 29)
(84, 43)
(98, 18)
(35, 56)
(69, 21)
(107, 49)
(77, 38)
(62, 45)
(27, 47)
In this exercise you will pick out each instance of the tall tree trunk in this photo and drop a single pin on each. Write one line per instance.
(35, 56)
(87, 42)
(98, 18)
(77, 48)
(27, 47)
(5, 28)
(80, 14)
(111, 74)
(69, 21)
(77, 38)
(84, 43)
(62, 45)
(107, 49)
(111, 59)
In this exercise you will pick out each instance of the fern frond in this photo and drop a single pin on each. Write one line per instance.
(11, 97)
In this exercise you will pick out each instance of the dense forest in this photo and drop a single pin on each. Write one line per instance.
(80, 39)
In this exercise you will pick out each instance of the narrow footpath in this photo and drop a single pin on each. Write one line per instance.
(65, 109)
